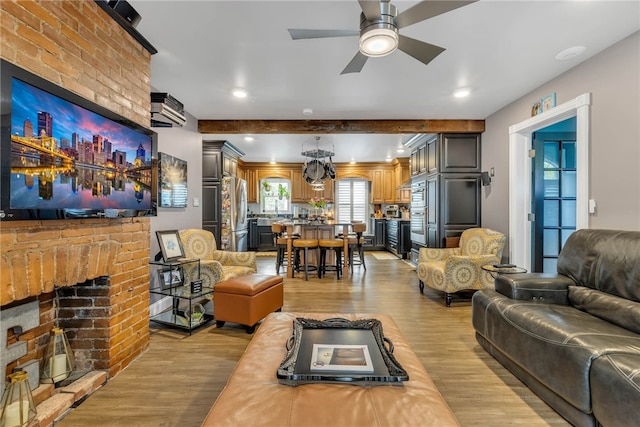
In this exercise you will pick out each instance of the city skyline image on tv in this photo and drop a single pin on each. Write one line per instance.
(64, 156)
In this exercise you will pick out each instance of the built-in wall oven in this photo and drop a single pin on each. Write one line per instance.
(418, 193)
(419, 211)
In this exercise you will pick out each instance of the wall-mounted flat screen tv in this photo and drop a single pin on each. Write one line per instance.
(173, 181)
(62, 156)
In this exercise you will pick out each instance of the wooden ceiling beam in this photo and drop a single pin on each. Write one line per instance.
(338, 126)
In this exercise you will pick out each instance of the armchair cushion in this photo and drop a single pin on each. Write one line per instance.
(215, 265)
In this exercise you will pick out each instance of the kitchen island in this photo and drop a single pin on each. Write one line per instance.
(317, 230)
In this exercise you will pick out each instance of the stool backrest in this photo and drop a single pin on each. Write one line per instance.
(359, 227)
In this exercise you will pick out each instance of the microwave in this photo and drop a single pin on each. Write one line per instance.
(392, 211)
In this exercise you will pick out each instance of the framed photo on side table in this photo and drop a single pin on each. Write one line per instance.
(170, 245)
(170, 277)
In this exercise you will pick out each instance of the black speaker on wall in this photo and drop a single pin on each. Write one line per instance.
(124, 9)
(486, 179)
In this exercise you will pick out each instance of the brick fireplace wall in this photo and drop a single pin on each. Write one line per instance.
(76, 45)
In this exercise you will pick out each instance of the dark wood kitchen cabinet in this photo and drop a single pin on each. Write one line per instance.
(265, 238)
(253, 234)
(447, 153)
(218, 158)
(453, 205)
(398, 237)
(378, 227)
(449, 165)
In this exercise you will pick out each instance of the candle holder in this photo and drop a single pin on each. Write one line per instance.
(57, 362)
(18, 408)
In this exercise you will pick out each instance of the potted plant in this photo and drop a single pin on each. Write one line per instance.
(282, 192)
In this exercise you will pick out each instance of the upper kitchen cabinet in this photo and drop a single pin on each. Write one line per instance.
(402, 177)
(459, 152)
(446, 152)
(219, 158)
(383, 188)
(301, 190)
(250, 176)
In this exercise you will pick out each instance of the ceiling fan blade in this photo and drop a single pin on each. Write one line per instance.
(427, 9)
(371, 9)
(423, 52)
(297, 34)
(356, 64)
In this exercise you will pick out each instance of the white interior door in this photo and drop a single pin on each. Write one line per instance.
(520, 173)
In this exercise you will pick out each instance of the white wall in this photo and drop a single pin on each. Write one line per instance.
(186, 145)
(613, 79)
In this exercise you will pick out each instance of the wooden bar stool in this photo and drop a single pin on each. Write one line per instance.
(356, 245)
(304, 244)
(329, 244)
(280, 240)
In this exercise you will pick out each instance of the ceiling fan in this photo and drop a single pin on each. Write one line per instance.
(380, 23)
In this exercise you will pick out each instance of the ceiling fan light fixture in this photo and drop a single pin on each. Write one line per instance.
(378, 42)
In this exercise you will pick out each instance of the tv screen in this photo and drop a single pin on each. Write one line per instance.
(173, 181)
(63, 156)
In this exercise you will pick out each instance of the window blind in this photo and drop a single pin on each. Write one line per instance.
(352, 200)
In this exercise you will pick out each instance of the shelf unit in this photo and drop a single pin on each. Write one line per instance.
(187, 294)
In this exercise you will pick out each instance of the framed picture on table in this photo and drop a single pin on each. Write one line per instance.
(170, 245)
(170, 277)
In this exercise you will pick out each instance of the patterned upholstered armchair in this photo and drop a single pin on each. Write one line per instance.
(215, 265)
(456, 269)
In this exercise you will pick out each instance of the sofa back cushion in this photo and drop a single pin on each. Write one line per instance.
(605, 260)
(616, 310)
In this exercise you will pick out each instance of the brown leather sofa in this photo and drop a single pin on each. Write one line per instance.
(574, 337)
(254, 397)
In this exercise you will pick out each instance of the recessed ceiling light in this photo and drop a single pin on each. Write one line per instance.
(571, 52)
(240, 93)
(307, 111)
(461, 93)
(388, 159)
(400, 150)
(248, 138)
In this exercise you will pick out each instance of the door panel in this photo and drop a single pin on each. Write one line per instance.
(554, 196)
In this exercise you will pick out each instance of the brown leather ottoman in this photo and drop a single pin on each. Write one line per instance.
(247, 299)
(254, 397)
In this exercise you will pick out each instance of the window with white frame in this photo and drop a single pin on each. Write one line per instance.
(275, 195)
(352, 200)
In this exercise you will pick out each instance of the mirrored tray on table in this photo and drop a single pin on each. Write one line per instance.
(338, 350)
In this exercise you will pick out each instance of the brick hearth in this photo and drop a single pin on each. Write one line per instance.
(112, 315)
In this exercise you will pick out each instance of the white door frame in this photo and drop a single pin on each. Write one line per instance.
(520, 136)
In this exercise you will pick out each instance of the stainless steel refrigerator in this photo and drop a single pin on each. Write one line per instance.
(234, 226)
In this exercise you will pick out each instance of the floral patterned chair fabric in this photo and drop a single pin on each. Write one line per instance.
(456, 269)
(215, 265)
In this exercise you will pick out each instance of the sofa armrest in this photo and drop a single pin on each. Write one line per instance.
(537, 287)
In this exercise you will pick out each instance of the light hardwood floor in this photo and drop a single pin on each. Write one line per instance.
(175, 382)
